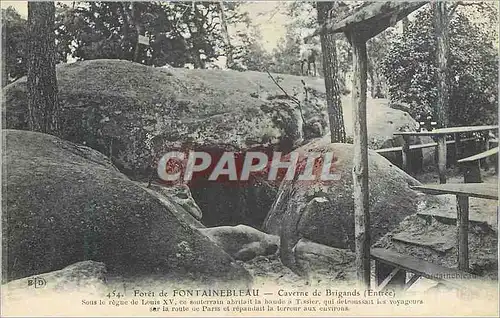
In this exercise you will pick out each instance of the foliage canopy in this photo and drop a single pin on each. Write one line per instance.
(410, 70)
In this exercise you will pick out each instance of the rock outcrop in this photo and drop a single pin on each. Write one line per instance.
(64, 203)
(242, 242)
(179, 200)
(323, 211)
(134, 114)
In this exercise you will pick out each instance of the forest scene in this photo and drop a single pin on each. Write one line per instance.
(398, 100)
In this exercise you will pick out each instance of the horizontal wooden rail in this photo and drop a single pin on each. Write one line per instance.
(421, 146)
(480, 156)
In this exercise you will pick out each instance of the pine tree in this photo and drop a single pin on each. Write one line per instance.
(42, 83)
(330, 72)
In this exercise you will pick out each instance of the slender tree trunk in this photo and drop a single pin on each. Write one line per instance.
(198, 36)
(443, 47)
(43, 105)
(194, 52)
(330, 72)
(125, 42)
(225, 35)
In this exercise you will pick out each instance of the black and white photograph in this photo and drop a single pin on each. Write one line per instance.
(249, 158)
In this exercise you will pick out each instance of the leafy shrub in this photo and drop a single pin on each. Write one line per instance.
(411, 72)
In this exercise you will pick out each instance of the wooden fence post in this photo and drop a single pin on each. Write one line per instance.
(441, 149)
(405, 153)
(458, 147)
(360, 169)
(486, 147)
(463, 232)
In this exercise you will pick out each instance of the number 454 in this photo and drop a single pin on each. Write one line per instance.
(114, 293)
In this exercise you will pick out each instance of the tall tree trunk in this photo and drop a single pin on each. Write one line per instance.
(43, 104)
(196, 37)
(125, 42)
(443, 48)
(330, 72)
(225, 35)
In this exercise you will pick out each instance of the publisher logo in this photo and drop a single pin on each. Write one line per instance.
(36, 282)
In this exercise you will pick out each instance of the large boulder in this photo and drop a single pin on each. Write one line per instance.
(134, 114)
(382, 122)
(323, 260)
(246, 243)
(64, 203)
(242, 242)
(323, 211)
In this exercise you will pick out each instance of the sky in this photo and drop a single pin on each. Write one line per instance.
(263, 14)
(20, 6)
(271, 23)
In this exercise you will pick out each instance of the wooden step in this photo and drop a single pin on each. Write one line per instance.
(451, 219)
(438, 243)
(448, 276)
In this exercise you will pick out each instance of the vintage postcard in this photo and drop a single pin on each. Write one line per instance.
(265, 158)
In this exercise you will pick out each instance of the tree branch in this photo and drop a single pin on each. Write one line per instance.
(295, 100)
